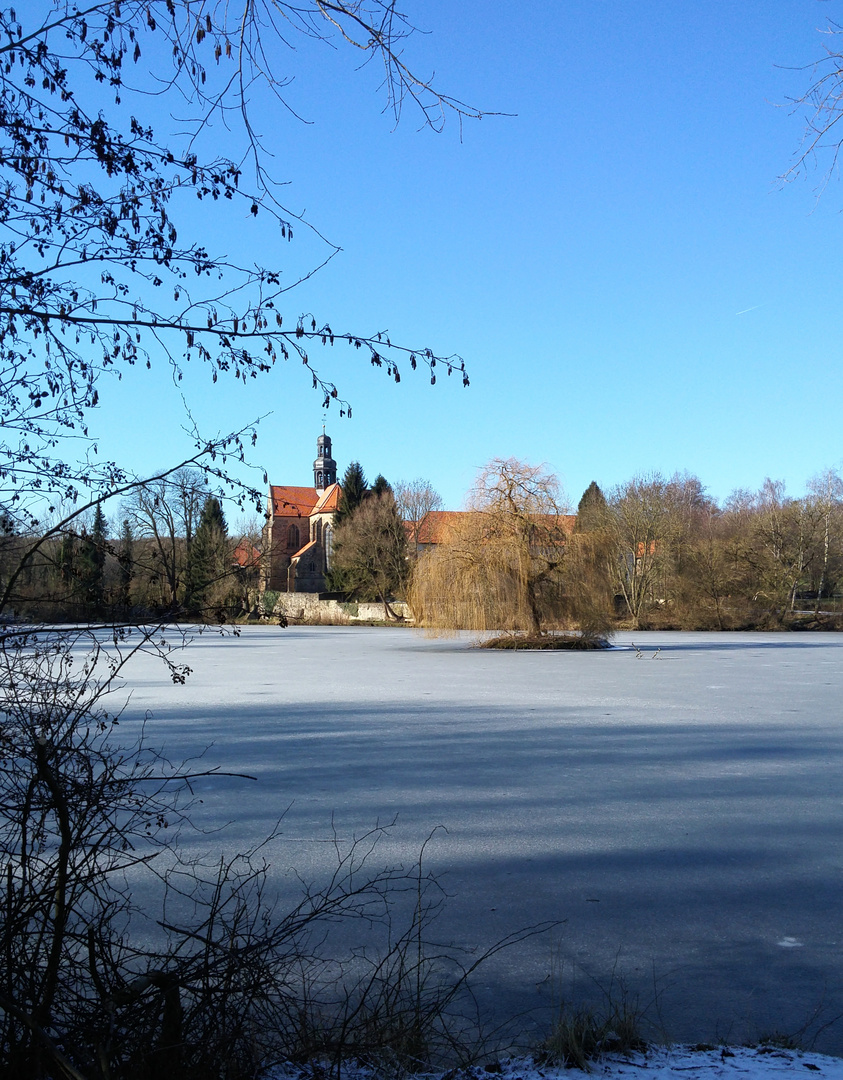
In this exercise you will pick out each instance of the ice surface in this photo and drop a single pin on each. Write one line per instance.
(681, 810)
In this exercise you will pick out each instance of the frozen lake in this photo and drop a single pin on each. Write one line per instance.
(683, 812)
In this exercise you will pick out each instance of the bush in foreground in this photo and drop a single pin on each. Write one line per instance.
(213, 980)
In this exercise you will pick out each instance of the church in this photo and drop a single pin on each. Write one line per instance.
(297, 537)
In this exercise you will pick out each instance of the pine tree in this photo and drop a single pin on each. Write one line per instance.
(354, 488)
(381, 485)
(591, 509)
(208, 560)
(126, 560)
(92, 561)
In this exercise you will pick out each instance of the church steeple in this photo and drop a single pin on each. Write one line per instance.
(324, 467)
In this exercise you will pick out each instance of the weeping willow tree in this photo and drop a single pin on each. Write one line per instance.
(589, 592)
(499, 565)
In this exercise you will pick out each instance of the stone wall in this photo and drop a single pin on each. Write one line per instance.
(310, 608)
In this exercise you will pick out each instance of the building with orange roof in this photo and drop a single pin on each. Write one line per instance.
(438, 525)
(297, 537)
(246, 555)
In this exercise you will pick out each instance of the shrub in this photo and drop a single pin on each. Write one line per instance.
(269, 600)
(221, 983)
(583, 1035)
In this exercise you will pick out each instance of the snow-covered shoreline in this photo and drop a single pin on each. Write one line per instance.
(656, 1063)
(667, 1062)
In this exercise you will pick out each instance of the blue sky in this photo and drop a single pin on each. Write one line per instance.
(629, 285)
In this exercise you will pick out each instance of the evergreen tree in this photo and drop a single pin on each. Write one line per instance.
(67, 561)
(92, 561)
(126, 560)
(591, 509)
(354, 488)
(381, 485)
(208, 559)
(8, 546)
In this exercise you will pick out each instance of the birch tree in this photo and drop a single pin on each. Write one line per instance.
(825, 495)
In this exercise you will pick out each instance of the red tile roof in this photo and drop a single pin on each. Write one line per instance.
(246, 554)
(329, 501)
(290, 501)
(436, 523)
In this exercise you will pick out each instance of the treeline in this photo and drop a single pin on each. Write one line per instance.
(678, 558)
(652, 552)
(165, 551)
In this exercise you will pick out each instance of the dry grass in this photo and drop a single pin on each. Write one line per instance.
(582, 1036)
(545, 641)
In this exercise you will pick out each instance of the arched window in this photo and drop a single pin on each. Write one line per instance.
(293, 537)
(329, 545)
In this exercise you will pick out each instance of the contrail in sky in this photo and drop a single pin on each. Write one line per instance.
(753, 308)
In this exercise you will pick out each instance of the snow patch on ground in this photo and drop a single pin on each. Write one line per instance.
(657, 1063)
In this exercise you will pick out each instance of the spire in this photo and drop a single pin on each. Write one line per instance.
(324, 467)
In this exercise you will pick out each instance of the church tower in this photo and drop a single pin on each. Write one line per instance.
(324, 467)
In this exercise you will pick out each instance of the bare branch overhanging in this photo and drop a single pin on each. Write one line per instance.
(823, 105)
(94, 275)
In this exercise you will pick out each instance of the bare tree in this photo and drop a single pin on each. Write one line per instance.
(710, 584)
(370, 551)
(825, 498)
(210, 981)
(102, 270)
(588, 587)
(822, 104)
(99, 270)
(640, 524)
(775, 546)
(416, 499)
(165, 513)
(783, 538)
(249, 558)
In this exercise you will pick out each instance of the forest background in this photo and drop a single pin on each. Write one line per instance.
(662, 554)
